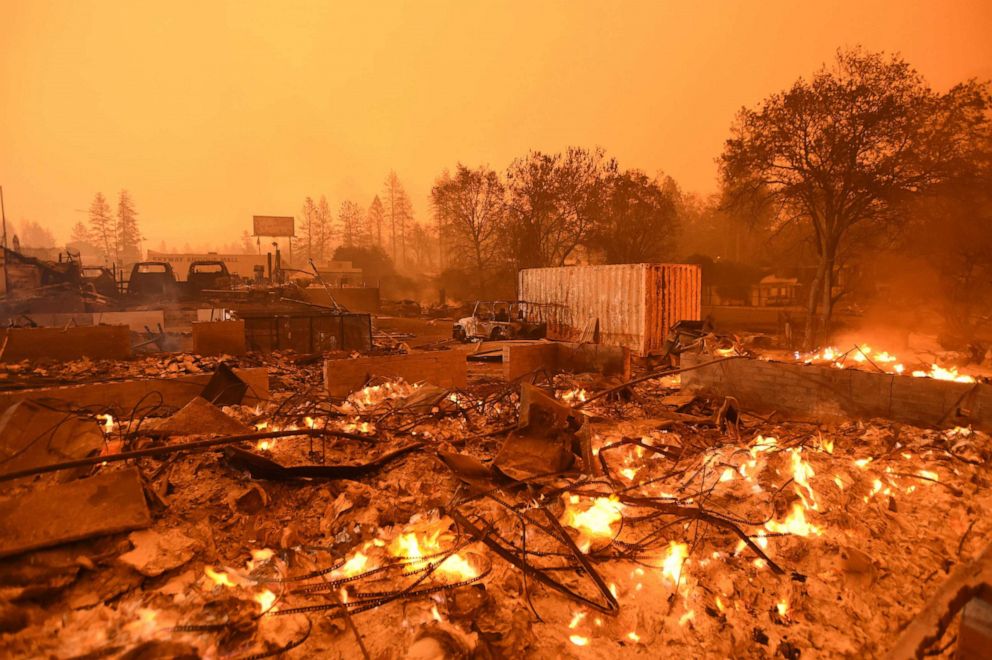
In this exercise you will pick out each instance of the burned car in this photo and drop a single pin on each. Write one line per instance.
(152, 281)
(501, 319)
(207, 276)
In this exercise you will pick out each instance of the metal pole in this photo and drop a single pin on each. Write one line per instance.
(3, 212)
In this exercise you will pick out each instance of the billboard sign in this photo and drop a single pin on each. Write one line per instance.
(273, 225)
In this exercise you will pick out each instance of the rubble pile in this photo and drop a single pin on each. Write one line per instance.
(553, 519)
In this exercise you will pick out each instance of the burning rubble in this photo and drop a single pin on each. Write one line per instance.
(560, 519)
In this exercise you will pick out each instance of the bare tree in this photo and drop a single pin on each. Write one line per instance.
(845, 148)
(470, 208)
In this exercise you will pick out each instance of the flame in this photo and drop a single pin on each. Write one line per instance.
(267, 600)
(108, 423)
(596, 520)
(413, 546)
(940, 373)
(726, 352)
(579, 640)
(220, 578)
(259, 556)
(801, 474)
(671, 567)
(782, 607)
(576, 620)
(264, 445)
(576, 394)
(373, 395)
(261, 426)
(687, 617)
(795, 523)
(929, 474)
(633, 636)
(358, 426)
(356, 564)
(728, 475)
(310, 423)
(434, 613)
(719, 604)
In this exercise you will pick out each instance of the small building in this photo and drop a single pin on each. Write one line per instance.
(775, 291)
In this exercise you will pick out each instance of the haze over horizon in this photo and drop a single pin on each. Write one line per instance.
(211, 112)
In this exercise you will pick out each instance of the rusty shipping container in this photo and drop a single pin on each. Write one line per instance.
(634, 305)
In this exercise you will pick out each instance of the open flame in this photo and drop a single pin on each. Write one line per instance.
(267, 600)
(674, 561)
(416, 546)
(940, 373)
(108, 423)
(574, 395)
(596, 520)
(795, 523)
(219, 578)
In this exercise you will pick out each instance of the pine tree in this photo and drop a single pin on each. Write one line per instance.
(128, 235)
(351, 221)
(399, 214)
(80, 233)
(305, 242)
(375, 220)
(102, 227)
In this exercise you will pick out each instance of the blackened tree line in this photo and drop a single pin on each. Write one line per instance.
(549, 210)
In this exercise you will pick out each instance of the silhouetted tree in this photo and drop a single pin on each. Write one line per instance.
(128, 235)
(398, 213)
(639, 219)
(554, 200)
(845, 148)
(102, 228)
(351, 223)
(375, 219)
(323, 230)
(470, 208)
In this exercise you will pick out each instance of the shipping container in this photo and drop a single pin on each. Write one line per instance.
(631, 305)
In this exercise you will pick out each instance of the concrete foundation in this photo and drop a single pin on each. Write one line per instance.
(100, 342)
(123, 396)
(813, 392)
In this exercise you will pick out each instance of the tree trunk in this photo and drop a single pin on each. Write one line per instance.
(809, 341)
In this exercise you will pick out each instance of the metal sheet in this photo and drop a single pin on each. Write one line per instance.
(632, 305)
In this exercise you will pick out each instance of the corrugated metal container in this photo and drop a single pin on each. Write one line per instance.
(634, 304)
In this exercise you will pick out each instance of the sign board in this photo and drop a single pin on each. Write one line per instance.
(273, 225)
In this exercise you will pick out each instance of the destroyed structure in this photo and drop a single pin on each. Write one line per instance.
(259, 469)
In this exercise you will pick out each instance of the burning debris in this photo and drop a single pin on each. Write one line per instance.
(512, 520)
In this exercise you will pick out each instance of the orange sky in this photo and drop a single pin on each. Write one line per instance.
(209, 112)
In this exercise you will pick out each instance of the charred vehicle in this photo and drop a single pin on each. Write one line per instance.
(207, 276)
(152, 281)
(502, 319)
(101, 279)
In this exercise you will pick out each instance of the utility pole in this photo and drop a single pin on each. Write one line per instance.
(3, 212)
